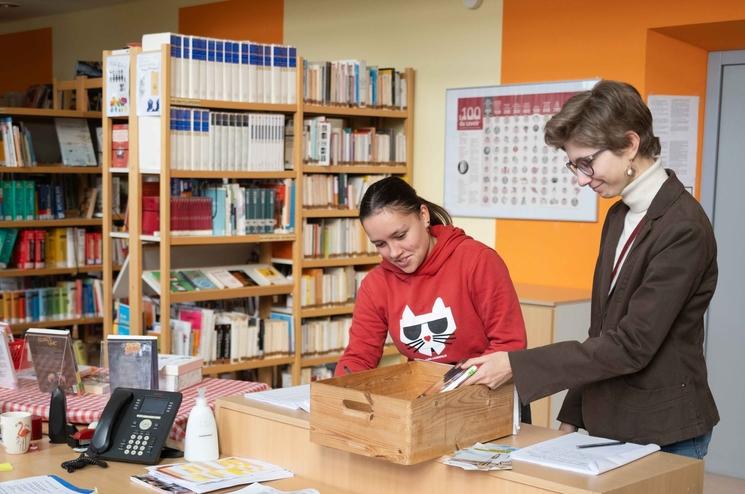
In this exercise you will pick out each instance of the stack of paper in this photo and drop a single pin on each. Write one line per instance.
(209, 476)
(489, 456)
(294, 398)
(563, 453)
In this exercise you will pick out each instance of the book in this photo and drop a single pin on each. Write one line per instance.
(243, 277)
(199, 279)
(8, 377)
(54, 361)
(266, 274)
(76, 146)
(133, 361)
(159, 485)
(97, 382)
(43, 484)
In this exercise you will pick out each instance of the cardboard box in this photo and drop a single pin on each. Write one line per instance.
(380, 413)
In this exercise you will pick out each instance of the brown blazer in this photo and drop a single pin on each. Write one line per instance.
(641, 374)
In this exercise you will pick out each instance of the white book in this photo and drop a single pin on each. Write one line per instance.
(76, 145)
(212, 141)
(186, 64)
(180, 337)
(255, 59)
(291, 75)
(275, 75)
(199, 57)
(208, 334)
(266, 96)
(210, 76)
(230, 140)
(204, 136)
(220, 131)
(245, 142)
(240, 209)
(193, 141)
(244, 73)
(227, 78)
(235, 68)
(219, 63)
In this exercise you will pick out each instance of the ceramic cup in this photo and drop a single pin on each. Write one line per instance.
(16, 430)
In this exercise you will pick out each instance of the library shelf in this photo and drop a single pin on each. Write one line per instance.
(359, 168)
(233, 239)
(120, 170)
(51, 223)
(118, 216)
(46, 113)
(55, 323)
(256, 363)
(234, 105)
(349, 111)
(54, 168)
(228, 293)
(238, 174)
(327, 310)
(334, 357)
(331, 262)
(13, 273)
(330, 213)
(144, 238)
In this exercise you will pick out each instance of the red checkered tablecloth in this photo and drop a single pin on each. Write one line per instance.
(87, 408)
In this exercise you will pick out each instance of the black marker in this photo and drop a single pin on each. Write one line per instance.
(600, 445)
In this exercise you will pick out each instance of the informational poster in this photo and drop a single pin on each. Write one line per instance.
(117, 85)
(497, 164)
(148, 84)
(675, 122)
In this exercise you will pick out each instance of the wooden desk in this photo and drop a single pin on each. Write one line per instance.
(248, 428)
(115, 478)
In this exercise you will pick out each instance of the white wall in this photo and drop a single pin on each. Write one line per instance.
(448, 45)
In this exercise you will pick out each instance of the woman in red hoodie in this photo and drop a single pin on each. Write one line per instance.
(441, 295)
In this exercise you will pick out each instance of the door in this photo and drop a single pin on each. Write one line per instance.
(723, 183)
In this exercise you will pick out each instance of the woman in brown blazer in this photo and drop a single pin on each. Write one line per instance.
(641, 375)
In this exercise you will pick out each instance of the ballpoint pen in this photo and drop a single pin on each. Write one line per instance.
(600, 445)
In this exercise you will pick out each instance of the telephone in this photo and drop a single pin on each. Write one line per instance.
(133, 427)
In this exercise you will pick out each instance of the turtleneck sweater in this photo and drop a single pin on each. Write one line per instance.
(638, 195)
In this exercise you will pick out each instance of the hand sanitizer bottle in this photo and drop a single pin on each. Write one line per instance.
(200, 443)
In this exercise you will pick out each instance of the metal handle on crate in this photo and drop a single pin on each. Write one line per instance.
(357, 409)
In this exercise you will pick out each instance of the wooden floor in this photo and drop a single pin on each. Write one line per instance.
(719, 484)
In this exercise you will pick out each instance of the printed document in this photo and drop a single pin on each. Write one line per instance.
(294, 398)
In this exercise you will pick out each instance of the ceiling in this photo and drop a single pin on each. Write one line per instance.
(38, 8)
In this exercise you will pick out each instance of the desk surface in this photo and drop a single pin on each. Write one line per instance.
(249, 428)
(115, 478)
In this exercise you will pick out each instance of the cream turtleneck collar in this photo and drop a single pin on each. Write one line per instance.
(638, 194)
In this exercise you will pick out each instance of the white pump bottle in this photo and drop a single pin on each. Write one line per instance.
(200, 443)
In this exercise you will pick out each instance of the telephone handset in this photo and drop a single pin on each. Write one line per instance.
(134, 425)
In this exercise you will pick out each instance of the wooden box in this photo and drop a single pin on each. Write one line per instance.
(380, 413)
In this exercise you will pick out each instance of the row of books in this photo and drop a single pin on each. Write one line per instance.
(47, 198)
(329, 141)
(19, 146)
(337, 285)
(307, 375)
(66, 300)
(325, 335)
(53, 248)
(353, 83)
(340, 190)
(217, 278)
(189, 215)
(210, 140)
(335, 237)
(228, 70)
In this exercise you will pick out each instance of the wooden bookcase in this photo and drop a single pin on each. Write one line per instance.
(167, 243)
(79, 87)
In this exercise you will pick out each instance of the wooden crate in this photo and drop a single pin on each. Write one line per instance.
(379, 413)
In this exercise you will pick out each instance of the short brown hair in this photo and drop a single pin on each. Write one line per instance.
(601, 117)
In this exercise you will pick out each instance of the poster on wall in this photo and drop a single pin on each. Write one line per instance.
(497, 164)
(117, 85)
(148, 84)
(675, 122)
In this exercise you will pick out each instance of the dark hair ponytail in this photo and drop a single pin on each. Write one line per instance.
(394, 193)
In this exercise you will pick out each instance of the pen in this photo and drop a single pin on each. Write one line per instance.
(600, 445)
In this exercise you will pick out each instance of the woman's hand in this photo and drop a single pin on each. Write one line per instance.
(567, 427)
(493, 369)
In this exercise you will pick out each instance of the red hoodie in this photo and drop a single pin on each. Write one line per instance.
(459, 303)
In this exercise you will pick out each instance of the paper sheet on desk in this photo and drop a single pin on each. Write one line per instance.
(294, 398)
(562, 453)
(265, 489)
(42, 484)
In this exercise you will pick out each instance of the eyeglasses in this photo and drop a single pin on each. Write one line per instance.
(584, 164)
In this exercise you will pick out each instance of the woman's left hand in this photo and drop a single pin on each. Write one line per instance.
(494, 369)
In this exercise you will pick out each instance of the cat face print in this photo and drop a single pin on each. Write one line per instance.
(428, 333)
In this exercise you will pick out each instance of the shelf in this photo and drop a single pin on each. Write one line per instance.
(219, 174)
(144, 238)
(330, 213)
(233, 239)
(340, 261)
(119, 170)
(12, 273)
(354, 111)
(55, 323)
(44, 112)
(361, 168)
(52, 223)
(328, 310)
(247, 364)
(57, 168)
(228, 293)
(234, 105)
(334, 357)
(118, 216)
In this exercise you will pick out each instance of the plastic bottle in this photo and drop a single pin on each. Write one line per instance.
(200, 443)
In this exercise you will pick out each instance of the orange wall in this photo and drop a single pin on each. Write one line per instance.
(545, 40)
(254, 20)
(26, 59)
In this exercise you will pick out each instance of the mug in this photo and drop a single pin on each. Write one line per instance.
(16, 430)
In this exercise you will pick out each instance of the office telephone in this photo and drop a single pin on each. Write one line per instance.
(133, 428)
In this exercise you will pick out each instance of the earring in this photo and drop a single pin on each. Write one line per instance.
(630, 172)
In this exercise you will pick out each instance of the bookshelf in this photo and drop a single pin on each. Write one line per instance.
(50, 266)
(170, 246)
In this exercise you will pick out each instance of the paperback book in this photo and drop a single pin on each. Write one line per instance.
(133, 361)
(54, 361)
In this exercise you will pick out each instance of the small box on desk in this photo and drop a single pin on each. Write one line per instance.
(177, 372)
(380, 413)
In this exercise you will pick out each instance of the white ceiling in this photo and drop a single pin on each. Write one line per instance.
(39, 8)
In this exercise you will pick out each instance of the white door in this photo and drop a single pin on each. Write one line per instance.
(723, 197)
